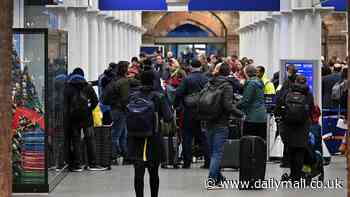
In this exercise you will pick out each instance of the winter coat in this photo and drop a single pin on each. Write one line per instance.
(327, 84)
(78, 83)
(116, 93)
(151, 149)
(253, 101)
(295, 135)
(193, 83)
(228, 106)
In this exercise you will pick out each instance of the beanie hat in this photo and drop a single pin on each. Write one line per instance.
(78, 71)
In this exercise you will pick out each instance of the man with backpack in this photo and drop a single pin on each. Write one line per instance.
(80, 100)
(296, 112)
(145, 110)
(116, 95)
(215, 106)
(193, 83)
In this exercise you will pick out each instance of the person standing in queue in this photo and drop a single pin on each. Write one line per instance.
(193, 83)
(296, 112)
(148, 152)
(253, 104)
(116, 95)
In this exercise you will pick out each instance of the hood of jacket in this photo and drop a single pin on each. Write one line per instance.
(77, 81)
(217, 81)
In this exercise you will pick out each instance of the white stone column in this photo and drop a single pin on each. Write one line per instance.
(84, 42)
(102, 42)
(73, 46)
(119, 42)
(109, 41)
(115, 41)
(94, 46)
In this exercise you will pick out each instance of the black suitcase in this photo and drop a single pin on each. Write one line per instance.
(103, 139)
(171, 149)
(252, 160)
(230, 158)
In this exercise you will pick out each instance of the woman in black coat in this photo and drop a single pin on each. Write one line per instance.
(296, 136)
(148, 152)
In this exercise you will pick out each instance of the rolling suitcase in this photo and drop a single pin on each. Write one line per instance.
(103, 138)
(252, 160)
(171, 152)
(230, 158)
(171, 147)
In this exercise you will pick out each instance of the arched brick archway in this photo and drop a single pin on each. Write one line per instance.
(205, 20)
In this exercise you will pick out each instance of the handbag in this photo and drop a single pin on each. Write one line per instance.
(97, 116)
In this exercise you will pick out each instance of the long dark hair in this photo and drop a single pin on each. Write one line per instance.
(122, 68)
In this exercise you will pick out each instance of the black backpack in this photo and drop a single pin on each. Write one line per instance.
(142, 118)
(79, 106)
(209, 103)
(296, 108)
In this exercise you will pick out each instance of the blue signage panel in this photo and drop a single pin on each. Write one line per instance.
(234, 5)
(340, 5)
(306, 69)
(132, 5)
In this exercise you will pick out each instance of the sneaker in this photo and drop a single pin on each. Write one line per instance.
(77, 169)
(96, 168)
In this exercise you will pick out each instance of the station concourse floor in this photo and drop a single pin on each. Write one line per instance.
(186, 183)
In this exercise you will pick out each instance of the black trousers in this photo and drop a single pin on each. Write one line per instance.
(153, 170)
(255, 129)
(193, 129)
(74, 145)
(296, 158)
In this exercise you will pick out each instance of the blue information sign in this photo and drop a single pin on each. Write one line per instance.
(305, 69)
(234, 5)
(156, 5)
(194, 5)
(340, 5)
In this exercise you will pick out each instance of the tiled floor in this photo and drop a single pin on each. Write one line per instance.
(184, 183)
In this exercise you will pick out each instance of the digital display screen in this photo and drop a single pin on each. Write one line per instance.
(305, 69)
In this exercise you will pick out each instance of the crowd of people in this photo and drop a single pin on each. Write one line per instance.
(163, 86)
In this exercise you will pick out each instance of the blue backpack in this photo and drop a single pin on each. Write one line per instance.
(142, 118)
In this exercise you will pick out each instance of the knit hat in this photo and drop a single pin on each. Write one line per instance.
(78, 71)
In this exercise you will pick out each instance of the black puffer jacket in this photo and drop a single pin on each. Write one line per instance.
(227, 102)
(74, 84)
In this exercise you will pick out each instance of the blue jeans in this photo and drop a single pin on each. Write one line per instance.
(216, 138)
(119, 133)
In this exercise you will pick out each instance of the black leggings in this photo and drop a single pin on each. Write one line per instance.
(140, 168)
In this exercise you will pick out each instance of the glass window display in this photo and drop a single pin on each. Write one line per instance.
(39, 64)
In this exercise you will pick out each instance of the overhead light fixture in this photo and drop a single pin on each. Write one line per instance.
(177, 5)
